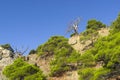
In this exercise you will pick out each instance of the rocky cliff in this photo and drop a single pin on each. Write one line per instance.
(6, 58)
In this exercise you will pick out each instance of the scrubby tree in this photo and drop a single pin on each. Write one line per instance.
(116, 24)
(21, 70)
(94, 24)
(32, 51)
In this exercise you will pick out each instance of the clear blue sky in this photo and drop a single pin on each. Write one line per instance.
(29, 23)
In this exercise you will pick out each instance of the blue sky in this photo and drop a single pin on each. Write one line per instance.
(29, 23)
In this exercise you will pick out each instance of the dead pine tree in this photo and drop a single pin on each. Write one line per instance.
(73, 27)
(19, 52)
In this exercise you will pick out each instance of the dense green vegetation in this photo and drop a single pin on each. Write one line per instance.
(95, 25)
(116, 25)
(106, 51)
(64, 56)
(93, 74)
(20, 70)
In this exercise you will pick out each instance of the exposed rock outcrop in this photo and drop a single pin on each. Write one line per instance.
(78, 45)
(74, 41)
(6, 58)
(42, 63)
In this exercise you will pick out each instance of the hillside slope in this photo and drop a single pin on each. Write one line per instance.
(49, 59)
(43, 61)
(50, 50)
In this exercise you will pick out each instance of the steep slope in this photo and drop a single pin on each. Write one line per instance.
(44, 65)
(102, 61)
(57, 59)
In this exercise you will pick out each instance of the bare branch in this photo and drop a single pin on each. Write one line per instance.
(20, 52)
(73, 26)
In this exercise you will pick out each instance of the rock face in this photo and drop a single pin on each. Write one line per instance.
(75, 42)
(42, 63)
(5, 59)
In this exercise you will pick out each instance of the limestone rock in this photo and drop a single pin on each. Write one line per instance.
(5, 59)
(73, 40)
